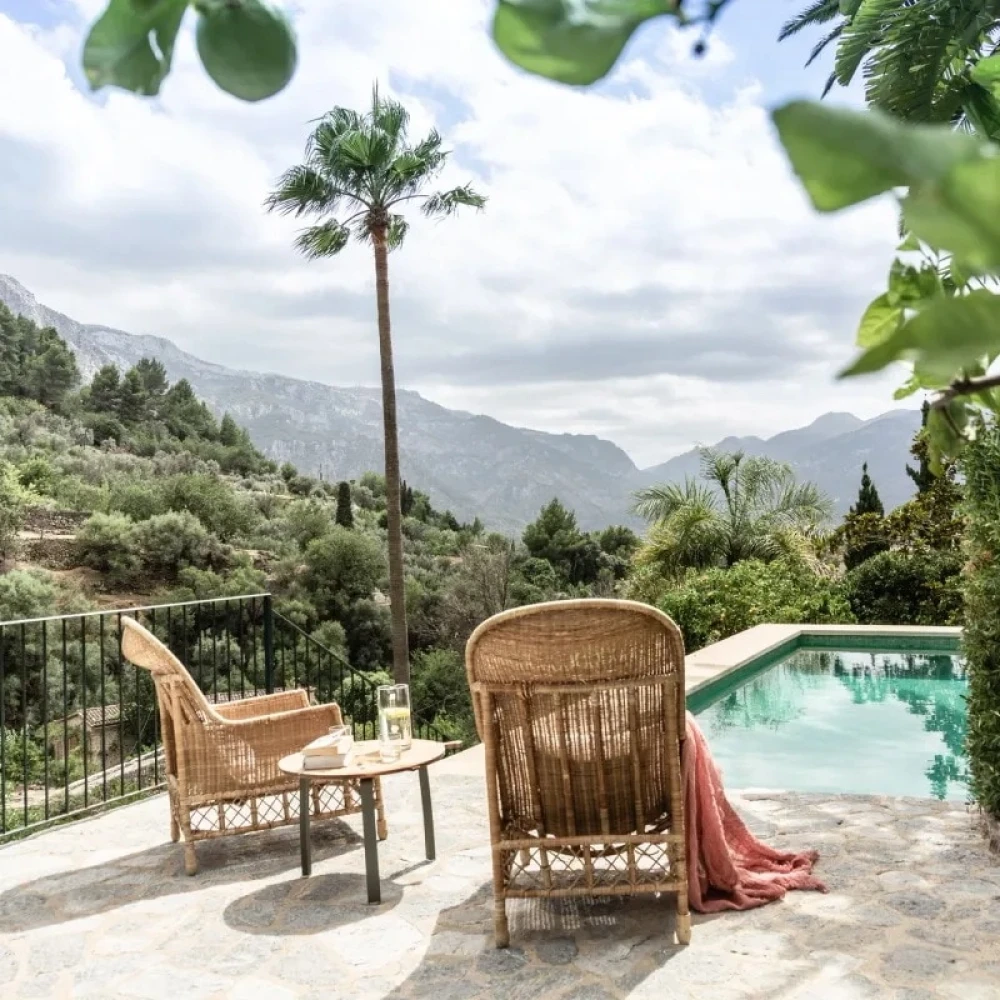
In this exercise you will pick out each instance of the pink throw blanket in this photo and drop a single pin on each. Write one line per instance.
(728, 867)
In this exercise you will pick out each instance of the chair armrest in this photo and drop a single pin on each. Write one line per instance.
(453, 746)
(264, 704)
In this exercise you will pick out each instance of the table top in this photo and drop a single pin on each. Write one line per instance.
(366, 762)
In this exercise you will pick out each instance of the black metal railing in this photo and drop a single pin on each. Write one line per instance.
(78, 723)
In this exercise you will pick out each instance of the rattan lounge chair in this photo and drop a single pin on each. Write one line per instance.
(221, 761)
(580, 705)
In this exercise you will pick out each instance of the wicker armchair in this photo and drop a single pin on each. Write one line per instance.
(222, 760)
(580, 705)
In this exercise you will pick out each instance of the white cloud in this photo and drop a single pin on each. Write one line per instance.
(647, 269)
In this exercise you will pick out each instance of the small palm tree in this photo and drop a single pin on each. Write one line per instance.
(745, 508)
(360, 171)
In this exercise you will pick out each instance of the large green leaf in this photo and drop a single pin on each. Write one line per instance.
(131, 45)
(247, 47)
(844, 157)
(948, 335)
(987, 74)
(572, 41)
(880, 321)
(961, 213)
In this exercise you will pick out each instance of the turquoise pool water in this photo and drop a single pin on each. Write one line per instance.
(877, 722)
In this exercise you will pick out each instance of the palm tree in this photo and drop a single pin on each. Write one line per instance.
(745, 508)
(360, 171)
(915, 57)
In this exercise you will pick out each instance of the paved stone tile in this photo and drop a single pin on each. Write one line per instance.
(102, 909)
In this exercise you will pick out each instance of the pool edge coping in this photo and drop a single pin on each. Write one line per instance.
(706, 667)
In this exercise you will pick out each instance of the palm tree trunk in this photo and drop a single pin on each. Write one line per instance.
(397, 591)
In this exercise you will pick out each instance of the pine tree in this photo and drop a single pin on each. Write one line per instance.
(922, 475)
(133, 401)
(230, 433)
(345, 516)
(105, 390)
(154, 380)
(869, 502)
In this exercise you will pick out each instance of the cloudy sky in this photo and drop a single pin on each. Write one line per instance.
(646, 270)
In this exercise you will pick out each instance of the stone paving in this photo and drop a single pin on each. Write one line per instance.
(102, 908)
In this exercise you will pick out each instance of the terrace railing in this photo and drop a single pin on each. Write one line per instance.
(78, 723)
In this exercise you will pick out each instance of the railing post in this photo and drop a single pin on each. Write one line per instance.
(268, 644)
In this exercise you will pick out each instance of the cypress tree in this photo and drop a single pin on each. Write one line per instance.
(922, 475)
(869, 502)
(345, 516)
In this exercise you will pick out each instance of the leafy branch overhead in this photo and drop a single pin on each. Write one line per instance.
(246, 46)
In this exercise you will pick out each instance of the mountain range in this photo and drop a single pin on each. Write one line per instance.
(472, 464)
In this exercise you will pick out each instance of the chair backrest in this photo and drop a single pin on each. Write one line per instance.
(141, 647)
(581, 707)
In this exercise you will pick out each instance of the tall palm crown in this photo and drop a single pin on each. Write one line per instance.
(744, 508)
(915, 55)
(360, 172)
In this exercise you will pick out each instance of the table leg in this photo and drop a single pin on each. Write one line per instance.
(425, 801)
(371, 841)
(305, 845)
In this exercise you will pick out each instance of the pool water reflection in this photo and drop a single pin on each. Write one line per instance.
(878, 723)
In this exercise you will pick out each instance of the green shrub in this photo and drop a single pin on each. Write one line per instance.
(23, 759)
(213, 502)
(331, 636)
(171, 542)
(893, 588)
(981, 637)
(74, 493)
(136, 499)
(440, 690)
(307, 521)
(715, 603)
(105, 428)
(26, 594)
(38, 474)
(109, 544)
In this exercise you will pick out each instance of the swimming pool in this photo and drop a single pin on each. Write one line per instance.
(886, 717)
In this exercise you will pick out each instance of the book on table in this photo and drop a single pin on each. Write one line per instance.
(331, 750)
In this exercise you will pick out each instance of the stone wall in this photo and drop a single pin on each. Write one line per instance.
(52, 552)
(46, 521)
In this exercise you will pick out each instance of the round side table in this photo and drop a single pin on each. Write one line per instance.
(366, 765)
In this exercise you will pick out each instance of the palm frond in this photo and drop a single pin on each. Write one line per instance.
(693, 538)
(389, 118)
(302, 190)
(657, 503)
(818, 12)
(324, 240)
(446, 203)
(820, 47)
(396, 232)
(861, 35)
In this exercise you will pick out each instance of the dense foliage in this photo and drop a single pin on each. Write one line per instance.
(715, 603)
(981, 465)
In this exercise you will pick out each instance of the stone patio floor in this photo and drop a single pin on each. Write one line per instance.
(102, 908)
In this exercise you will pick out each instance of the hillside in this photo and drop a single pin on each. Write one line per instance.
(472, 464)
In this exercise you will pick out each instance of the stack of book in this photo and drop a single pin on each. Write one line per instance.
(327, 752)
